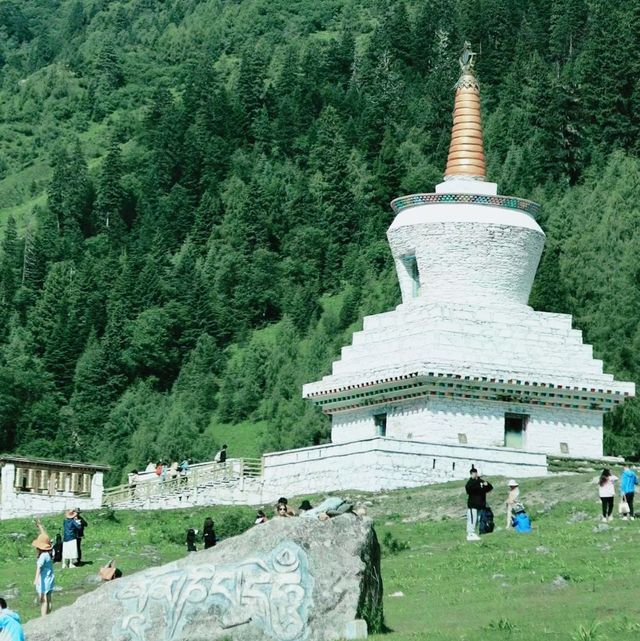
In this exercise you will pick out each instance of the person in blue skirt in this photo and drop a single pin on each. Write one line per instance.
(44, 579)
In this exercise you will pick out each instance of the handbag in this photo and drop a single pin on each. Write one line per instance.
(108, 572)
(623, 506)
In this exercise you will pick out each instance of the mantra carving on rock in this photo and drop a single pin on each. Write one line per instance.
(272, 591)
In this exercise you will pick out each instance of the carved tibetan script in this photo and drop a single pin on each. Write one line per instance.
(271, 591)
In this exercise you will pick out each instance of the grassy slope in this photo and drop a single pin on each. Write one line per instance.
(500, 588)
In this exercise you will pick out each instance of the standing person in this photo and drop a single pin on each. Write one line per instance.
(477, 490)
(628, 482)
(606, 491)
(191, 540)
(10, 624)
(82, 524)
(70, 529)
(44, 579)
(208, 533)
(512, 499)
(221, 456)
(132, 479)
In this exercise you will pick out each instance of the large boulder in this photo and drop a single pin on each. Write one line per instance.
(290, 579)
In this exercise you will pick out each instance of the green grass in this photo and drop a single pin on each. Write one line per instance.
(243, 438)
(504, 587)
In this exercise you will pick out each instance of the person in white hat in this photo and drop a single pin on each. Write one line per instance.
(512, 499)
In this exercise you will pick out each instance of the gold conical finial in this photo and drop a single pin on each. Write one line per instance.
(466, 152)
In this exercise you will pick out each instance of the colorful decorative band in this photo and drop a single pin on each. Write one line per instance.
(508, 202)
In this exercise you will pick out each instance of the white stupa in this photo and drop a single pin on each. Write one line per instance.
(464, 361)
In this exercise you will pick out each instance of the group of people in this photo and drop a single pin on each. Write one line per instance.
(72, 534)
(175, 470)
(480, 516)
(208, 536)
(331, 506)
(477, 489)
(67, 550)
(607, 492)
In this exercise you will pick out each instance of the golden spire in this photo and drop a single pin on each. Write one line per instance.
(466, 152)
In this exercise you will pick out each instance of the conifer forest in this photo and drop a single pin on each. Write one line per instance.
(194, 196)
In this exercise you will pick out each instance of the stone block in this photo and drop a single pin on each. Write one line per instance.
(355, 630)
(289, 579)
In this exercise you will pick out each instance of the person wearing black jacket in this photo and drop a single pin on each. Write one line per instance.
(477, 490)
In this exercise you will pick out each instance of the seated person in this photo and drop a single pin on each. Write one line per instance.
(331, 506)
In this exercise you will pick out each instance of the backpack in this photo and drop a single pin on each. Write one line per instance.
(521, 522)
(485, 520)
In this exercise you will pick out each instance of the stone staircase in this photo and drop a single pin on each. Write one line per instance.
(235, 481)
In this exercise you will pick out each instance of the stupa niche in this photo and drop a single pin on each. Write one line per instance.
(463, 360)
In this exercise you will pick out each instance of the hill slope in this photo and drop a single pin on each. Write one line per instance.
(570, 574)
(195, 196)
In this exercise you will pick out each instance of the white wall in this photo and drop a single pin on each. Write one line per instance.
(367, 465)
(467, 253)
(386, 463)
(353, 426)
(440, 421)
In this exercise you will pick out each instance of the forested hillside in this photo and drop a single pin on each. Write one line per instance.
(195, 195)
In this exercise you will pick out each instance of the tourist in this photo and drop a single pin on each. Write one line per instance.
(606, 491)
(305, 506)
(628, 482)
(183, 468)
(70, 529)
(44, 579)
(173, 470)
(82, 524)
(10, 624)
(283, 500)
(328, 508)
(477, 490)
(261, 517)
(57, 549)
(132, 480)
(221, 456)
(208, 533)
(282, 509)
(191, 540)
(158, 469)
(512, 499)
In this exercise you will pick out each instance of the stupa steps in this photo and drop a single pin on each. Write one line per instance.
(487, 368)
(477, 335)
(559, 362)
(457, 313)
(576, 358)
(506, 331)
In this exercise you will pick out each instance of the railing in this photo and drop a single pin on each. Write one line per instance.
(200, 475)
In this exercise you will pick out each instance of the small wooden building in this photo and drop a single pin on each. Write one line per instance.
(30, 486)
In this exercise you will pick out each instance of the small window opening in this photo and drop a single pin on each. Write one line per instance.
(433, 467)
(564, 448)
(380, 421)
(462, 439)
(411, 265)
(514, 430)
(453, 466)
